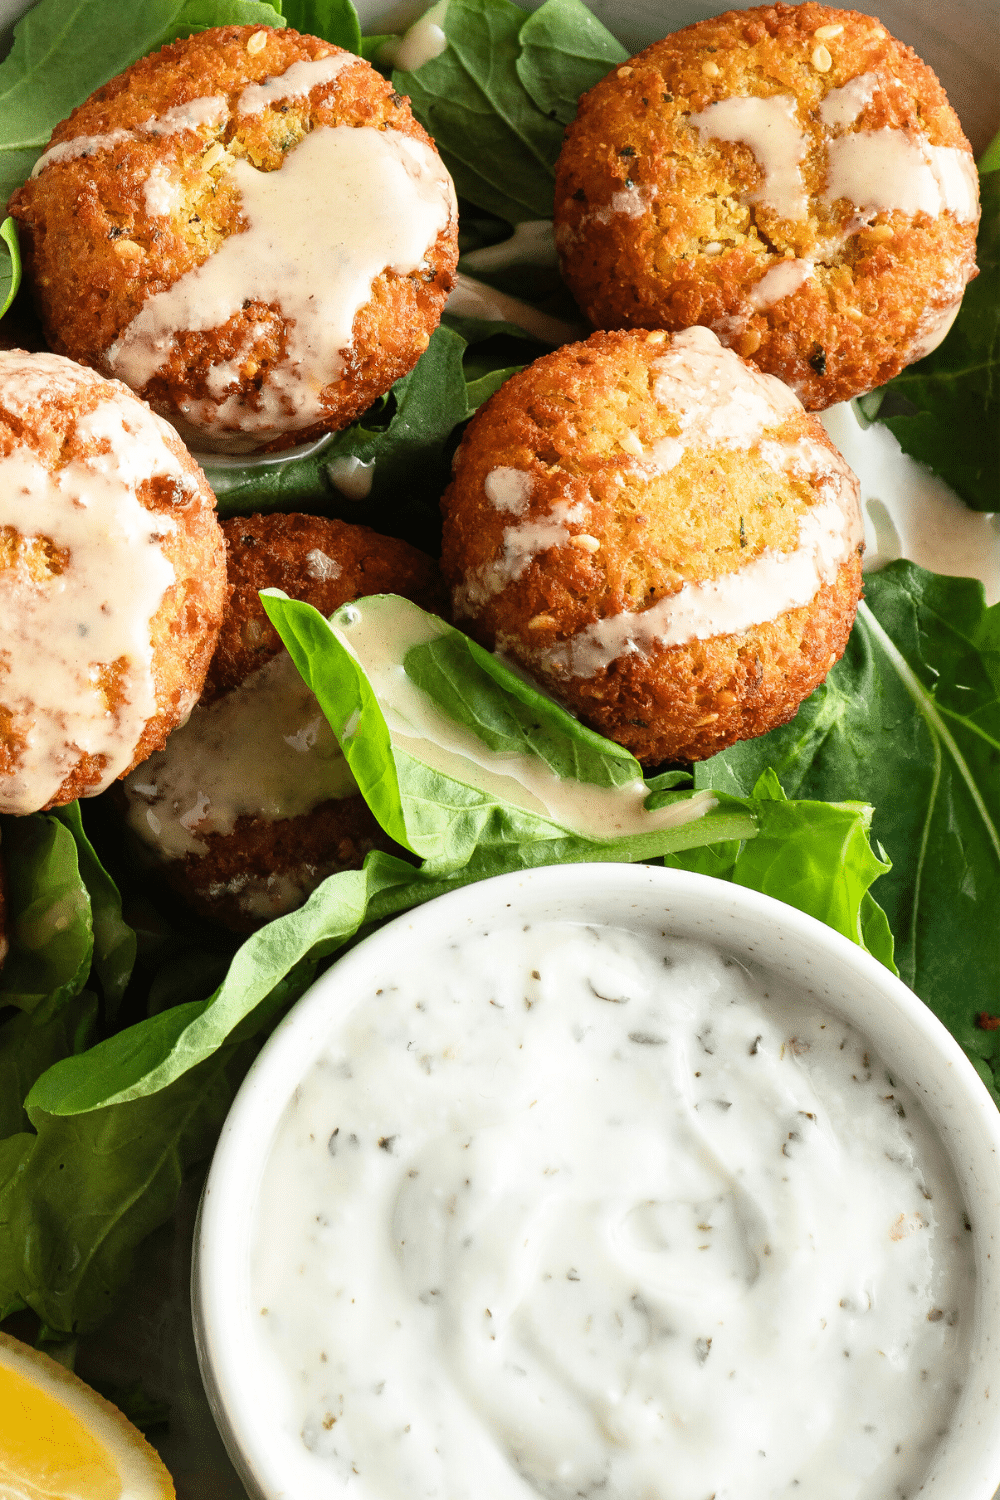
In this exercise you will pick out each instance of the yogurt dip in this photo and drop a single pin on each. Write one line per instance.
(573, 1211)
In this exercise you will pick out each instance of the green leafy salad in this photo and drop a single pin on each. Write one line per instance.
(126, 1024)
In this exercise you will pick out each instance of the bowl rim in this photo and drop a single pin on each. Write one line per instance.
(951, 1091)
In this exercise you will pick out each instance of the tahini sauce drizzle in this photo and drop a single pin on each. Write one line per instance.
(196, 114)
(567, 1211)
(264, 749)
(896, 170)
(96, 613)
(770, 128)
(346, 205)
(380, 632)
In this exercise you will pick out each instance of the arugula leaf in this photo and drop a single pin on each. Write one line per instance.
(114, 939)
(817, 857)
(566, 51)
(200, 15)
(91, 1186)
(954, 424)
(48, 915)
(14, 1153)
(10, 280)
(334, 20)
(909, 720)
(28, 1047)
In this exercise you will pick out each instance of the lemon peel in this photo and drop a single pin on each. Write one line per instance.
(60, 1440)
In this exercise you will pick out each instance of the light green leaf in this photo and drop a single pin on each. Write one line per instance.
(10, 278)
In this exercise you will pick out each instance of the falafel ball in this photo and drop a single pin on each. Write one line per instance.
(791, 177)
(251, 805)
(660, 536)
(112, 581)
(250, 229)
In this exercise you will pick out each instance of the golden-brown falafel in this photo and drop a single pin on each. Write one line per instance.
(660, 535)
(251, 806)
(112, 581)
(791, 177)
(327, 563)
(246, 306)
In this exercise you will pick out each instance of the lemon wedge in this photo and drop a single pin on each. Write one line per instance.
(59, 1440)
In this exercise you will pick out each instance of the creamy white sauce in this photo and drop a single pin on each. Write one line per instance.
(763, 589)
(770, 128)
(910, 512)
(629, 202)
(509, 489)
(780, 282)
(380, 631)
(521, 545)
(424, 41)
(346, 205)
(896, 170)
(57, 635)
(474, 299)
(196, 114)
(351, 475)
(932, 330)
(570, 1211)
(264, 749)
(531, 244)
(297, 82)
(842, 106)
(718, 400)
(160, 194)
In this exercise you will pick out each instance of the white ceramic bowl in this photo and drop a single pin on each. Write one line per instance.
(762, 933)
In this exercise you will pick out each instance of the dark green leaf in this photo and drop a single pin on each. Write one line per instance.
(28, 1047)
(334, 20)
(566, 51)
(93, 1185)
(200, 15)
(909, 721)
(10, 277)
(63, 50)
(48, 915)
(408, 449)
(114, 940)
(498, 145)
(955, 391)
(134, 1401)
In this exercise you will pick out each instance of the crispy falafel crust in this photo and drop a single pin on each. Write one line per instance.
(563, 421)
(184, 626)
(287, 552)
(299, 554)
(94, 253)
(691, 247)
